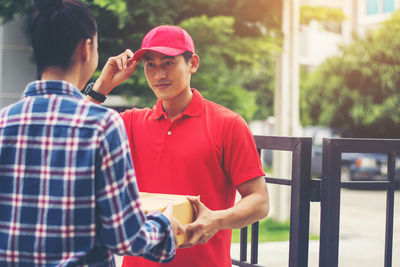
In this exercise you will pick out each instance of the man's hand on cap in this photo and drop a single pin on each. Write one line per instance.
(115, 71)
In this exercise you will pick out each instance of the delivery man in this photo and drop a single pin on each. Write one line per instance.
(188, 145)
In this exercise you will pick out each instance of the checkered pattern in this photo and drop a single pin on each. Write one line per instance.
(68, 193)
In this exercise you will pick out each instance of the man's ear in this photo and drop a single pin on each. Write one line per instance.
(194, 63)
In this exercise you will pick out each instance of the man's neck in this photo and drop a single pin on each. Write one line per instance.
(178, 105)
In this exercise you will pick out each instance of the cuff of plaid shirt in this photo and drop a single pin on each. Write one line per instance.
(165, 251)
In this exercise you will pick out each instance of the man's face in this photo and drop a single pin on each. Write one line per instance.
(167, 76)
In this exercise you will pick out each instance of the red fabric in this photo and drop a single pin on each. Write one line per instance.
(206, 151)
(167, 40)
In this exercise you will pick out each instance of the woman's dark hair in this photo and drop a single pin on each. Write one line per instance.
(57, 28)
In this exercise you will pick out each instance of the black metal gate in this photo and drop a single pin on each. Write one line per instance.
(327, 191)
(332, 184)
(300, 182)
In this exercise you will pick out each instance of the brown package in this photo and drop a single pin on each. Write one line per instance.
(182, 208)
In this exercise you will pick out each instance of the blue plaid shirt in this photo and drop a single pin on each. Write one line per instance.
(68, 192)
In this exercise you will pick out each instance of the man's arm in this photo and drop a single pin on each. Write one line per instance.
(116, 70)
(253, 206)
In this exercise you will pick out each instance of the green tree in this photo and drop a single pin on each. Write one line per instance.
(359, 90)
(330, 18)
(11, 8)
(231, 66)
(226, 74)
(321, 14)
(236, 67)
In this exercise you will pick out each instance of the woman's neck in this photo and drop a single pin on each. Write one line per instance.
(57, 73)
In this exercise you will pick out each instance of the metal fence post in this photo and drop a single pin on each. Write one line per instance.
(390, 210)
(300, 204)
(330, 205)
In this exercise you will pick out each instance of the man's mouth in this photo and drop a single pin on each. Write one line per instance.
(162, 85)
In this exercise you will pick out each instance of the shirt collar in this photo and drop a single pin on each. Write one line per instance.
(194, 108)
(38, 88)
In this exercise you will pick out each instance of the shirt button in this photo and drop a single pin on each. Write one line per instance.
(169, 133)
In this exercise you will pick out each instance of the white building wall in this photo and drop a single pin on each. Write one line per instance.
(16, 61)
(316, 44)
(366, 22)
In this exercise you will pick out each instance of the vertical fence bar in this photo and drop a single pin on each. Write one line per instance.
(330, 205)
(390, 209)
(254, 243)
(254, 234)
(243, 244)
(300, 204)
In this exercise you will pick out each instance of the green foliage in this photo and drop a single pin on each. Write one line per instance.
(360, 90)
(10, 8)
(116, 7)
(230, 66)
(269, 231)
(235, 39)
(329, 18)
(320, 14)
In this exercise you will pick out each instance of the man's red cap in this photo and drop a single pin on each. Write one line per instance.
(167, 40)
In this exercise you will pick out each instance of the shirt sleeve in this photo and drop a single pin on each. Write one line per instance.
(122, 225)
(241, 159)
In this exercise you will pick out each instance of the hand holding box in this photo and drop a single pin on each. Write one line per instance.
(182, 208)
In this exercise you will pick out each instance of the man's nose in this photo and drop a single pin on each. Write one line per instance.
(160, 74)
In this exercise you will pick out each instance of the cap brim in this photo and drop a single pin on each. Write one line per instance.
(138, 56)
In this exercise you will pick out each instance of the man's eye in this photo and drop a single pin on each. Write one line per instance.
(150, 65)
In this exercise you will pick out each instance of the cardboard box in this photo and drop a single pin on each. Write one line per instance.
(182, 208)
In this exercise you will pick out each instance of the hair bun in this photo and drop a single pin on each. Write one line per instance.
(47, 7)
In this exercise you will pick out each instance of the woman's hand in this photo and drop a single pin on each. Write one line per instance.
(177, 228)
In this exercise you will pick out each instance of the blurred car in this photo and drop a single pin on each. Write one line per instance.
(355, 166)
(366, 167)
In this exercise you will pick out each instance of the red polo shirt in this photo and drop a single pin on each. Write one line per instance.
(208, 150)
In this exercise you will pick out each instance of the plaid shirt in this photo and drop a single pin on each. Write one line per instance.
(68, 192)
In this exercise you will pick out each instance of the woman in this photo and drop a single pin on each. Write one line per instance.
(68, 193)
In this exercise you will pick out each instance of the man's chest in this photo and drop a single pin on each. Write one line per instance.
(185, 139)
